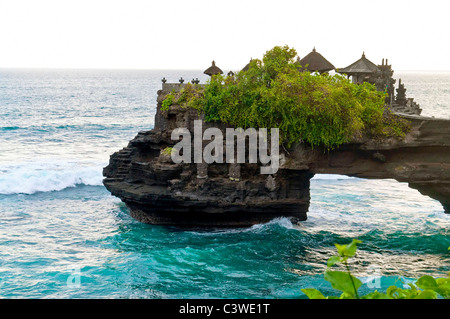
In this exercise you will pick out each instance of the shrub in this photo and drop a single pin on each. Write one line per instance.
(167, 102)
(186, 97)
(167, 151)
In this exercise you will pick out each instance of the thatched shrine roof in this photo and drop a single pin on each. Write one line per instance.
(213, 69)
(362, 66)
(245, 68)
(315, 62)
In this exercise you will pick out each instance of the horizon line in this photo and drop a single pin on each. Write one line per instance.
(165, 69)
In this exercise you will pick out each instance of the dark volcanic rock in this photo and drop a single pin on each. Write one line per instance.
(422, 159)
(158, 191)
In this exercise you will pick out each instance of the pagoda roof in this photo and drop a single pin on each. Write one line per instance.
(315, 62)
(362, 66)
(213, 69)
(247, 66)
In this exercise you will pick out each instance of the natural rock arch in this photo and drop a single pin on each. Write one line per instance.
(159, 191)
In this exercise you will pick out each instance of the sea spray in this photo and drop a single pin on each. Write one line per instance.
(47, 175)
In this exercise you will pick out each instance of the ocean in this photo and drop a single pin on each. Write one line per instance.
(64, 236)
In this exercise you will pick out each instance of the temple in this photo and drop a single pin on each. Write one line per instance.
(364, 70)
(213, 70)
(315, 62)
(360, 71)
(402, 104)
(246, 67)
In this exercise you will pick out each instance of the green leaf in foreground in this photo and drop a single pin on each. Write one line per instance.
(426, 287)
(376, 295)
(426, 294)
(348, 250)
(427, 282)
(333, 260)
(313, 293)
(343, 281)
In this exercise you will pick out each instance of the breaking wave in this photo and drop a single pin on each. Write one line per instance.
(47, 176)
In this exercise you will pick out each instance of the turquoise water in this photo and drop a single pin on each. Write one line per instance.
(62, 235)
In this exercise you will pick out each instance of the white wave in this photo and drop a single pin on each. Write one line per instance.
(47, 176)
(280, 221)
(331, 177)
(284, 222)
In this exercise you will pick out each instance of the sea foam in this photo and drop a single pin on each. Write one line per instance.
(47, 176)
(331, 177)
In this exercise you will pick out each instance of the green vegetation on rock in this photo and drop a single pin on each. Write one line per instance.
(189, 96)
(321, 110)
(167, 151)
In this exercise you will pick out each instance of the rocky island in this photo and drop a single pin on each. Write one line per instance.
(159, 191)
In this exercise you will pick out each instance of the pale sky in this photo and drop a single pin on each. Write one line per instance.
(138, 34)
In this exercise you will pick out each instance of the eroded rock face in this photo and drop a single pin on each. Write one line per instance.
(159, 191)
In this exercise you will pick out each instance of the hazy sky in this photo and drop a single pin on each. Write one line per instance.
(413, 35)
